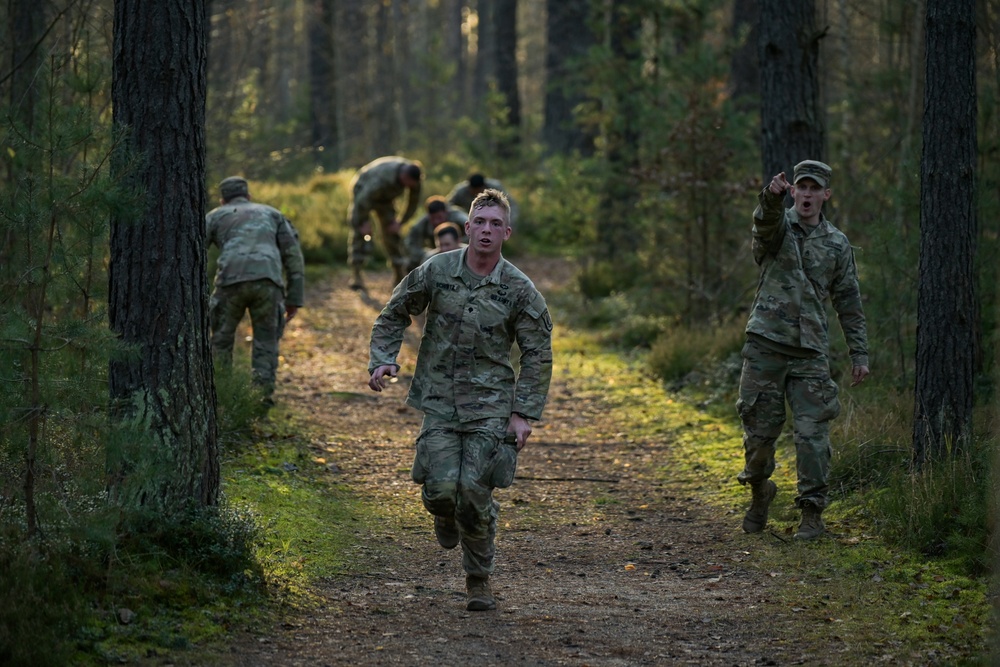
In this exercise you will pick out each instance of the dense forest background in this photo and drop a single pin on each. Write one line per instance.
(634, 135)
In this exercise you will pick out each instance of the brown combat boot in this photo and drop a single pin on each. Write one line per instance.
(357, 280)
(762, 495)
(480, 595)
(446, 532)
(811, 526)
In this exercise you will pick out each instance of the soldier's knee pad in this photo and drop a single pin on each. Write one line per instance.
(440, 498)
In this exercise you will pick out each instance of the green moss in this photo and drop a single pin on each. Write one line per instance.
(881, 600)
(312, 520)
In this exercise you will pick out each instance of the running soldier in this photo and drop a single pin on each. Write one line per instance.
(477, 411)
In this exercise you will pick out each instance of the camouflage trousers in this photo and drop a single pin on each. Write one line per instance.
(266, 303)
(768, 379)
(361, 249)
(459, 465)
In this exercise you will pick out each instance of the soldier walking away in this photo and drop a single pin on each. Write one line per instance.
(462, 194)
(422, 235)
(803, 261)
(375, 188)
(477, 411)
(259, 247)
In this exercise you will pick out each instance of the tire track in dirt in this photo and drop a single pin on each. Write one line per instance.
(571, 527)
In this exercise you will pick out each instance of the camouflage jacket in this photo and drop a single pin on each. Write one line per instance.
(463, 364)
(378, 183)
(461, 197)
(256, 242)
(797, 274)
(421, 234)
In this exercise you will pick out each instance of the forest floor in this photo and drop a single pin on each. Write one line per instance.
(603, 558)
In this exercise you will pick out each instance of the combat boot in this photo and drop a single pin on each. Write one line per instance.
(480, 595)
(446, 532)
(357, 280)
(762, 495)
(811, 526)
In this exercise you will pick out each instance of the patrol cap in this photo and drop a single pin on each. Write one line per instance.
(818, 171)
(234, 186)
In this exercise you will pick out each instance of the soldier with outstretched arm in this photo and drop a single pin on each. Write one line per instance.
(804, 261)
(477, 412)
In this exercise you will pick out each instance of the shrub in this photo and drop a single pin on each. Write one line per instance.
(41, 607)
(219, 541)
(317, 209)
(943, 510)
(678, 352)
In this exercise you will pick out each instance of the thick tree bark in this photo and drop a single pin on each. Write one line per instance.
(791, 119)
(322, 90)
(158, 296)
(947, 309)
(569, 36)
(505, 21)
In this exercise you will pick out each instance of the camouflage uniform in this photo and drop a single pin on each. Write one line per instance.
(461, 196)
(466, 387)
(258, 244)
(420, 237)
(787, 350)
(375, 188)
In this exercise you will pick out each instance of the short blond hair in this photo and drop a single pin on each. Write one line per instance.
(491, 197)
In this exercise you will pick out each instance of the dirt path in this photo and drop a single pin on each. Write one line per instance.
(598, 563)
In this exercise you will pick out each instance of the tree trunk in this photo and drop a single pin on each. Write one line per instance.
(616, 235)
(402, 73)
(485, 69)
(163, 387)
(791, 118)
(947, 309)
(27, 18)
(455, 53)
(352, 59)
(283, 27)
(261, 54)
(322, 115)
(569, 36)
(505, 21)
(744, 70)
(382, 93)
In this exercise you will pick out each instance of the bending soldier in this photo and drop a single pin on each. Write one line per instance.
(422, 233)
(462, 194)
(258, 245)
(375, 188)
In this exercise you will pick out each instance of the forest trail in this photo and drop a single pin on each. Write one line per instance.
(599, 562)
